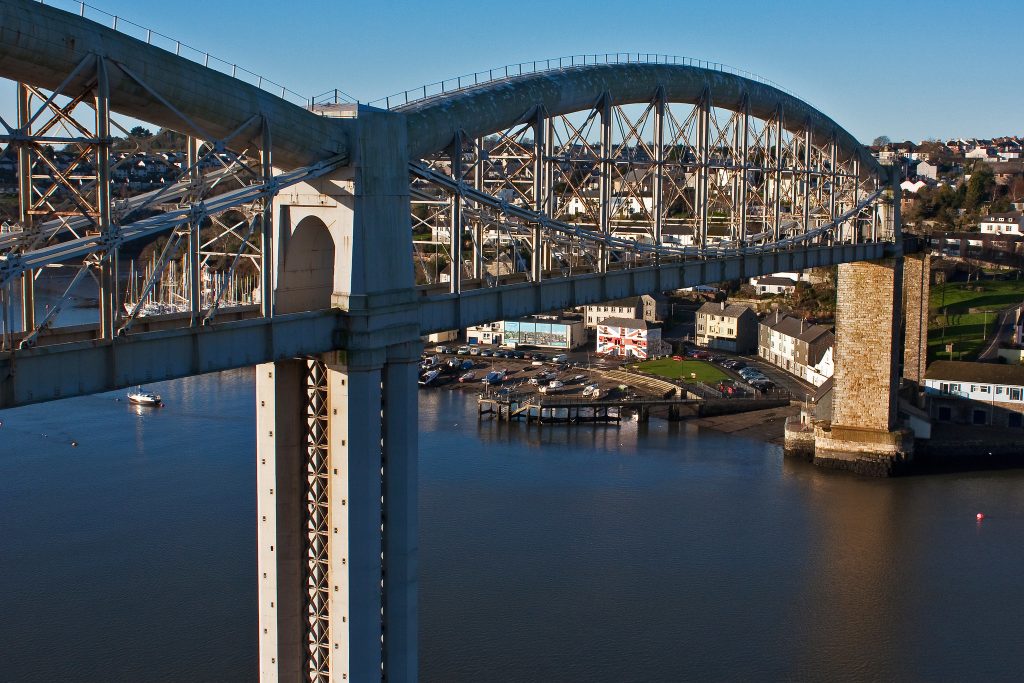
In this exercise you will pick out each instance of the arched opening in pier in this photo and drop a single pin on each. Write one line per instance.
(307, 280)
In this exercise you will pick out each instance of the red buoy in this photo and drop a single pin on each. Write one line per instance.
(981, 516)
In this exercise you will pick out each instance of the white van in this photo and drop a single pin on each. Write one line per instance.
(560, 358)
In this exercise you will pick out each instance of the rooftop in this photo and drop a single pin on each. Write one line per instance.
(727, 310)
(628, 323)
(773, 280)
(796, 328)
(983, 373)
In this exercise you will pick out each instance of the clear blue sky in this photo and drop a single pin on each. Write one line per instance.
(904, 69)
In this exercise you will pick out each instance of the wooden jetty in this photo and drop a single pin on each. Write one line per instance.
(506, 405)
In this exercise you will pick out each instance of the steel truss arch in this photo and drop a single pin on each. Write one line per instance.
(486, 109)
(609, 166)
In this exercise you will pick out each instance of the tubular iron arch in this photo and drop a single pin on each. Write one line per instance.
(596, 167)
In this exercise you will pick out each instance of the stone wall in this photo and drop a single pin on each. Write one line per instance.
(916, 269)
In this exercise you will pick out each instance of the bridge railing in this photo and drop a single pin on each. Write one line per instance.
(465, 81)
(164, 42)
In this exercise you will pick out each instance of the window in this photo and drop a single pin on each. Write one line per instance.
(1014, 394)
(999, 390)
(984, 388)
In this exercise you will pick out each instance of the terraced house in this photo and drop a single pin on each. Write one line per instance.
(798, 348)
(724, 327)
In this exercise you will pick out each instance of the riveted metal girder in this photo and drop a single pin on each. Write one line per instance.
(501, 104)
(41, 45)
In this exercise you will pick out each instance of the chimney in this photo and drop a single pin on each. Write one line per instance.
(723, 305)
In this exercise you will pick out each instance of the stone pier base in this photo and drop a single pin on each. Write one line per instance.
(799, 441)
(867, 452)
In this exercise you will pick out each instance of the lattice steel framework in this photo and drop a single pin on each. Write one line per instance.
(317, 524)
(217, 206)
(618, 186)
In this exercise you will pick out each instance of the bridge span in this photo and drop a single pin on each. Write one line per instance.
(572, 184)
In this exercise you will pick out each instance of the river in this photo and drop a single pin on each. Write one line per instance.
(634, 553)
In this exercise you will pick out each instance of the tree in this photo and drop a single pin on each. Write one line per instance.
(979, 188)
(140, 132)
(1017, 189)
(881, 141)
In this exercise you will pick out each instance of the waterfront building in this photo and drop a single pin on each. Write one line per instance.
(975, 393)
(557, 333)
(797, 347)
(628, 338)
(726, 327)
(645, 307)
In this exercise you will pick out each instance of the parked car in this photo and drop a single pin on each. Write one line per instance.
(487, 353)
(442, 349)
(462, 350)
(474, 350)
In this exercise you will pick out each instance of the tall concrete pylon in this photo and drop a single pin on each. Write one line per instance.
(337, 442)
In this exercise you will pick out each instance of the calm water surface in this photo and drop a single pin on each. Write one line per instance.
(633, 554)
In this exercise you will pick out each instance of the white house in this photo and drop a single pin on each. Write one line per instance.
(1002, 224)
(798, 348)
(975, 393)
(772, 284)
(982, 152)
(644, 307)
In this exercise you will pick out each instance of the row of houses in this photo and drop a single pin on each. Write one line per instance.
(790, 343)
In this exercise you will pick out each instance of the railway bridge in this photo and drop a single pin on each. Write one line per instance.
(533, 188)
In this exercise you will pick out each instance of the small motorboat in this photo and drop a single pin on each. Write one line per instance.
(495, 377)
(552, 387)
(144, 398)
(468, 377)
(429, 377)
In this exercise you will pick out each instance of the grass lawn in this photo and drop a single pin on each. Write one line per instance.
(950, 303)
(965, 331)
(957, 297)
(674, 369)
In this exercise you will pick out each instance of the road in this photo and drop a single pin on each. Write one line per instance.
(1002, 332)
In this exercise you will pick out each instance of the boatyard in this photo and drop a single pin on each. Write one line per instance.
(532, 388)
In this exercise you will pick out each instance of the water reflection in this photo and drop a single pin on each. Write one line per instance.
(645, 552)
